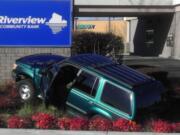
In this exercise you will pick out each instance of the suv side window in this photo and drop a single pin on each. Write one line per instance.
(117, 98)
(87, 83)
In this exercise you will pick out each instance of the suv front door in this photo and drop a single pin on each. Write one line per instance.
(83, 92)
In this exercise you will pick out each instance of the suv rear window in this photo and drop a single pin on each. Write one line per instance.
(117, 98)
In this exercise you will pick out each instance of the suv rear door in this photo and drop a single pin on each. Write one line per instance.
(83, 92)
(117, 101)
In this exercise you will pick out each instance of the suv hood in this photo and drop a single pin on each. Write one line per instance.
(40, 59)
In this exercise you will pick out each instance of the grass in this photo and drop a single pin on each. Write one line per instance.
(30, 109)
(50, 110)
(26, 110)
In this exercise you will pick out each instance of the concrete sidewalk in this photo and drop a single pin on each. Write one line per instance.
(59, 132)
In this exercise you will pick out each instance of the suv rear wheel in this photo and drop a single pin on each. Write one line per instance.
(26, 90)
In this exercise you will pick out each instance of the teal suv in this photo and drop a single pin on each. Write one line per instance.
(89, 84)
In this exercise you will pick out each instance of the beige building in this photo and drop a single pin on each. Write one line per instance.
(118, 27)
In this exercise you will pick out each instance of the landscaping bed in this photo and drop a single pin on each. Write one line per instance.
(15, 114)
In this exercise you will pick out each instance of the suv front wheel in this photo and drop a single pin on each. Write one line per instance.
(26, 90)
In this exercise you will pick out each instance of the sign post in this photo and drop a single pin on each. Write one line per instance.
(35, 23)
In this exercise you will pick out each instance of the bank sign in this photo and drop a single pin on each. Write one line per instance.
(43, 23)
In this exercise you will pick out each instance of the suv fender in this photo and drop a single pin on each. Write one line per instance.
(22, 76)
(97, 111)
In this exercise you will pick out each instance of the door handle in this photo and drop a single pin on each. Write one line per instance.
(91, 102)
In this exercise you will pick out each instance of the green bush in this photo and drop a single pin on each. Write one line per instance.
(106, 44)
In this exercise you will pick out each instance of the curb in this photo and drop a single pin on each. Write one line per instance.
(60, 132)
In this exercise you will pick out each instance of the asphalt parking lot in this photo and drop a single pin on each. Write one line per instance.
(165, 70)
(171, 66)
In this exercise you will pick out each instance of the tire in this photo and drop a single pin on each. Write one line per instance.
(26, 90)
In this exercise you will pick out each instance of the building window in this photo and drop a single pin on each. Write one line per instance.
(150, 36)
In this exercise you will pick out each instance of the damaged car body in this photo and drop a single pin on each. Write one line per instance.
(90, 84)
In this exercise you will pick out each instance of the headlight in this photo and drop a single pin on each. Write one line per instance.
(14, 66)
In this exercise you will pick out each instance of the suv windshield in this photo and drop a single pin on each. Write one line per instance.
(117, 98)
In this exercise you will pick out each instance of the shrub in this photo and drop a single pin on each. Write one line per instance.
(78, 124)
(9, 96)
(44, 121)
(100, 124)
(161, 126)
(19, 122)
(11, 89)
(2, 87)
(126, 126)
(1, 123)
(99, 43)
(8, 102)
(177, 127)
(64, 123)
